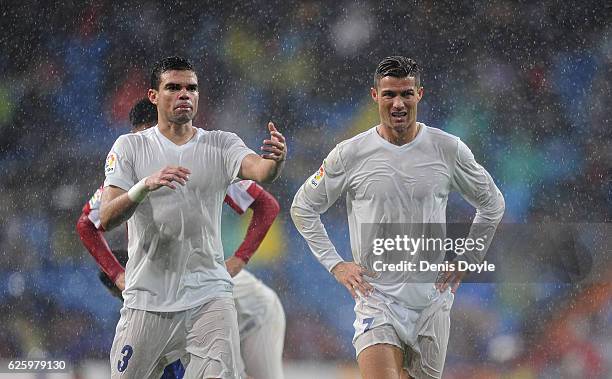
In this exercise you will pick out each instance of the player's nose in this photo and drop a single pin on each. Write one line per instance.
(398, 103)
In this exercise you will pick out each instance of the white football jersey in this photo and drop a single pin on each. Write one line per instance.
(240, 196)
(174, 237)
(386, 183)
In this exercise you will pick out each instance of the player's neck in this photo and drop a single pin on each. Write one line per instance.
(179, 134)
(398, 136)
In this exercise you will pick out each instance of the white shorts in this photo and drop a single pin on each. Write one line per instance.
(146, 342)
(261, 321)
(421, 334)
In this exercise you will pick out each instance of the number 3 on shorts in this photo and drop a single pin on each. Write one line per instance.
(127, 352)
(368, 323)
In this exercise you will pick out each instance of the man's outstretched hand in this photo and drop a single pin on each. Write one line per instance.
(275, 147)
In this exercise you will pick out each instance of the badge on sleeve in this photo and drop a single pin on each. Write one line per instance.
(317, 177)
(111, 162)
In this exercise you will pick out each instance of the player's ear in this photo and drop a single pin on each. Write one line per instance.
(374, 94)
(152, 95)
(420, 92)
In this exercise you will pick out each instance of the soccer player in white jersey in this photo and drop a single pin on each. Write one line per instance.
(399, 171)
(261, 318)
(169, 182)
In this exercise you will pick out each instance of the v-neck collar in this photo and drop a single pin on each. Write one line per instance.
(166, 141)
(391, 146)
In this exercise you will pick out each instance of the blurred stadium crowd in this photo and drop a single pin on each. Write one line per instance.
(526, 85)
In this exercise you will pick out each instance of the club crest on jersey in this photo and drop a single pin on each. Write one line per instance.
(111, 162)
(317, 177)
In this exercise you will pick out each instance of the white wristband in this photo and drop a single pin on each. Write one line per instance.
(138, 192)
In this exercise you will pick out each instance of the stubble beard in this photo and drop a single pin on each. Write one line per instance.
(407, 126)
(399, 133)
(181, 119)
(401, 129)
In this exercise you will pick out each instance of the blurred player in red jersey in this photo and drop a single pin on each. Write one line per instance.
(261, 319)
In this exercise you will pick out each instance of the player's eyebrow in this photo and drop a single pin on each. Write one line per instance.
(177, 86)
(394, 93)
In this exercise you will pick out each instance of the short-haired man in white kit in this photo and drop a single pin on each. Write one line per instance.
(399, 171)
(170, 182)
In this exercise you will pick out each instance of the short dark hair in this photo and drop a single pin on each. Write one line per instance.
(398, 66)
(143, 112)
(167, 64)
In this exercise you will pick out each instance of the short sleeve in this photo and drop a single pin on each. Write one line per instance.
(119, 166)
(234, 151)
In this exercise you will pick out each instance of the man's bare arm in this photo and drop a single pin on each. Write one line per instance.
(118, 205)
(267, 167)
(259, 169)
